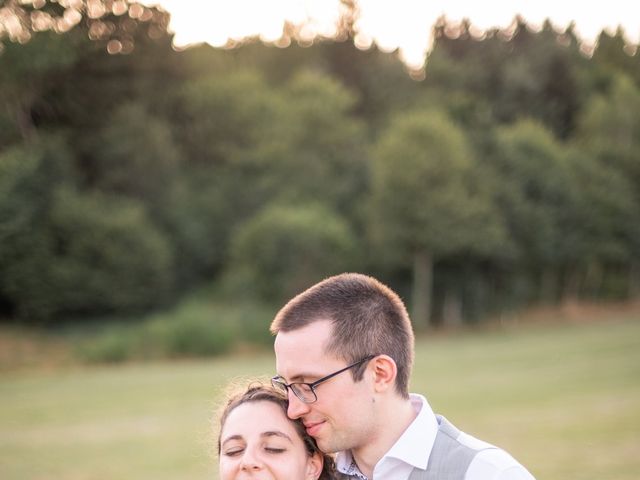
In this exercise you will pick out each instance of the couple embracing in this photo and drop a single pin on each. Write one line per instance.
(344, 352)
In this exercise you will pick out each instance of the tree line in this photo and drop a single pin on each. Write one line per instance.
(508, 176)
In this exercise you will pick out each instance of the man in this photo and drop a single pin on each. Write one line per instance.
(344, 352)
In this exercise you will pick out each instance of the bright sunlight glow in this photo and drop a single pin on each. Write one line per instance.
(404, 25)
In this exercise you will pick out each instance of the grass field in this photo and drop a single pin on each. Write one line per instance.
(563, 399)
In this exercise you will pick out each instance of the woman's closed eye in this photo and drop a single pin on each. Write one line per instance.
(235, 451)
(232, 452)
(275, 450)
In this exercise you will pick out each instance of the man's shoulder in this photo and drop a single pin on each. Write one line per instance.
(496, 463)
(482, 459)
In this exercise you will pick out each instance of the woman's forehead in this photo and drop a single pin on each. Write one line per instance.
(257, 417)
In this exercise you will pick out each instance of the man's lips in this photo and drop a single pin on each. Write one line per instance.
(313, 427)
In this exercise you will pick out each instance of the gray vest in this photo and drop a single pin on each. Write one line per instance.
(449, 459)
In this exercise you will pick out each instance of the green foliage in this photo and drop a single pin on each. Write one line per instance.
(606, 210)
(29, 176)
(109, 256)
(64, 252)
(613, 54)
(229, 123)
(285, 249)
(226, 115)
(317, 153)
(199, 214)
(610, 128)
(115, 345)
(126, 180)
(533, 74)
(26, 73)
(136, 156)
(536, 191)
(23, 20)
(425, 203)
(197, 327)
(423, 193)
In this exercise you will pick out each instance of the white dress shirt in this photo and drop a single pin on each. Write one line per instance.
(414, 447)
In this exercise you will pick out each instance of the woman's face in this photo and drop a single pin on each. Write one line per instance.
(259, 442)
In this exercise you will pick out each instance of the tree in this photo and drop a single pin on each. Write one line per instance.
(536, 197)
(111, 20)
(285, 249)
(530, 74)
(222, 123)
(67, 252)
(425, 202)
(28, 176)
(610, 129)
(614, 54)
(605, 220)
(108, 256)
(49, 65)
(27, 72)
(317, 154)
(135, 156)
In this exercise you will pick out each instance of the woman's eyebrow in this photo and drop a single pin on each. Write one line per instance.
(276, 433)
(232, 437)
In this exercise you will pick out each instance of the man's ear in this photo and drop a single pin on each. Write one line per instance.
(314, 466)
(385, 372)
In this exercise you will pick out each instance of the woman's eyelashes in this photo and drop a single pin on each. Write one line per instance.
(275, 449)
(233, 452)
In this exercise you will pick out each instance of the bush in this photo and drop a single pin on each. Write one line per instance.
(196, 328)
(110, 257)
(28, 177)
(283, 250)
(116, 344)
(192, 333)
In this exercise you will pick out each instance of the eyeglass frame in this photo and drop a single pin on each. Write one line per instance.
(278, 384)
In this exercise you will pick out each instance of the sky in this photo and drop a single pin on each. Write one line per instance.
(391, 24)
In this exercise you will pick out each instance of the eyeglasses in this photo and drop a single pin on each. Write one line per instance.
(307, 391)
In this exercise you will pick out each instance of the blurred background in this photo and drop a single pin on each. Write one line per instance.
(171, 173)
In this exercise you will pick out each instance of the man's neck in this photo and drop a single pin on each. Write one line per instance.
(394, 419)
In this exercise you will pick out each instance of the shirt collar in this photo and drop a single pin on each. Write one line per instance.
(416, 442)
(413, 447)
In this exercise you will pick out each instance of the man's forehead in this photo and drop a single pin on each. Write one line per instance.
(302, 352)
(318, 332)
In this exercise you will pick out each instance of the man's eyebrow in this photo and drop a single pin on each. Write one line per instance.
(299, 377)
(276, 433)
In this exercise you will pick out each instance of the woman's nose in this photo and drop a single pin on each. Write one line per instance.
(250, 460)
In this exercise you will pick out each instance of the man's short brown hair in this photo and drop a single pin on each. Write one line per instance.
(368, 318)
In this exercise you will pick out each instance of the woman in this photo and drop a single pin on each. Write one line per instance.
(257, 440)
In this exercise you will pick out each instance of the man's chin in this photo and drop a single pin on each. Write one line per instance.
(326, 446)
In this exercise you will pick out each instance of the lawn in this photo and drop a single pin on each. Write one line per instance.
(563, 399)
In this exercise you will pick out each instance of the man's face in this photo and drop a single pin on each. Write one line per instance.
(343, 416)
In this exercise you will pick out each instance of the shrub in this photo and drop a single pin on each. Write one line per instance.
(284, 249)
(195, 328)
(110, 257)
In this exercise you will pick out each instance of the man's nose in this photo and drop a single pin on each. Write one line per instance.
(297, 408)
